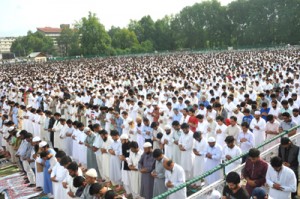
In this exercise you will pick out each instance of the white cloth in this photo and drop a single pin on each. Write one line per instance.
(259, 134)
(135, 176)
(215, 160)
(235, 151)
(286, 178)
(200, 160)
(187, 156)
(177, 177)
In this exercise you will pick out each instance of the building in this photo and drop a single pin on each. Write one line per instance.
(5, 44)
(53, 33)
(37, 57)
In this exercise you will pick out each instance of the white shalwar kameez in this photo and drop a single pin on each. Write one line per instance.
(135, 176)
(259, 134)
(216, 153)
(187, 156)
(235, 151)
(200, 160)
(177, 177)
(115, 162)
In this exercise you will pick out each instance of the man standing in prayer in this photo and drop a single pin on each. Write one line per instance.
(115, 150)
(146, 165)
(133, 162)
(91, 178)
(176, 133)
(255, 170)
(258, 125)
(231, 151)
(213, 154)
(281, 179)
(185, 144)
(175, 176)
(158, 173)
(91, 156)
(200, 145)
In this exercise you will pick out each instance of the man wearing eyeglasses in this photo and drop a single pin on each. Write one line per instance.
(281, 179)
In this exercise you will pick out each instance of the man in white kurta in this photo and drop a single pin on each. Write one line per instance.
(185, 144)
(258, 125)
(58, 174)
(167, 141)
(231, 151)
(115, 150)
(175, 175)
(176, 133)
(133, 162)
(213, 155)
(107, 141)
(200, 144)
(97, 145)
(281, 179)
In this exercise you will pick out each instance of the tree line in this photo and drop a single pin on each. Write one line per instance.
(206, 25)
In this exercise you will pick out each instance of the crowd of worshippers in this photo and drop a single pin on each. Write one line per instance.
(148, 124)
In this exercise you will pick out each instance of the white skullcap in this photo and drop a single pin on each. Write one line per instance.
(11, 128)
(36, 139)
(124, 136)
(154, 104)
(257, 112)
(42, 144)
(86, 129)
(167, 127)
(215, 195)
(18, 134)
(211, 139)
(148, 103)
(129, 120)
(147, 144)
(92, 173)
(28, 106)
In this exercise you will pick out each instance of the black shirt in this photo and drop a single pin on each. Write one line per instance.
(240, 194)
(125, 152)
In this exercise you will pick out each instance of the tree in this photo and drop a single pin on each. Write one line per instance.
(122, 38)
(94, 39)
(68, 42)
(32, 42)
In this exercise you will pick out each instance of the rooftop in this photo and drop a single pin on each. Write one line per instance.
(49, 30)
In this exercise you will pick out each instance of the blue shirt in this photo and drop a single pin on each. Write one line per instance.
(247, 119)
(177, 117)
(145, 129)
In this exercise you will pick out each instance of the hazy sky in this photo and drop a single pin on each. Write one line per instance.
(19, 16)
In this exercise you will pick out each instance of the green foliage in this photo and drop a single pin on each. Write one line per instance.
(32, 42)
(94, 39)
(68, 42)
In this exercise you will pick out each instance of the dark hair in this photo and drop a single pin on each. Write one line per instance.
(65, 160)
(73, 166)
(276, 161)
(229, 139)
(28, 135)
(157, 153)
(233, 118)
(110, 195)
(95, 188)
(60, 154)
(270, 117)
(254, 153)
(286, 114)
(78, 181)
(184, 126)
(233, 177)
(245, 124)
(285, 140)
(114, 133)
(134, 144)
(175, 123)
(44, 154)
